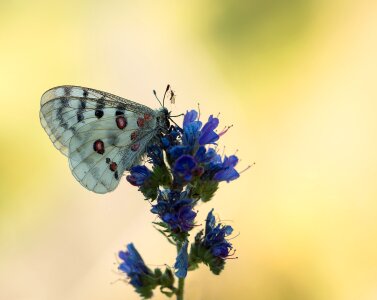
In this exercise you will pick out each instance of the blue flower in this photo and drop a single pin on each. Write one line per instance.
(214, 237)
(175, 210)
(181, 263)
(208, 135)
(191, 133)
(133, 265)
(138, 175)
(177, 151)
(204, 155)
(190, 116)
(185, 167)
(227, 172)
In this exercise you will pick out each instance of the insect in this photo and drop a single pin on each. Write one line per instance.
(102, 135)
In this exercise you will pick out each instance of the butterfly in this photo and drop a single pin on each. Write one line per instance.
(102, 135)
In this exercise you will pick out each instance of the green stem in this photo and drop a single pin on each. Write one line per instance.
(181, 283)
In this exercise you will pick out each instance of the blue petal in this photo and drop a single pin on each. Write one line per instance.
(184, 166)
(228, 229)
(189, 117)
(134, 255)
(191, 132)
(226, 175)
(177, 151)
(181, 263)
(208, 136)
(138, 175)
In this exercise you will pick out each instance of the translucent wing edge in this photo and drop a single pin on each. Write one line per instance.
(74, 91)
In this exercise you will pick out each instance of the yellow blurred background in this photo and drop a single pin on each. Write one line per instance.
(297, 79)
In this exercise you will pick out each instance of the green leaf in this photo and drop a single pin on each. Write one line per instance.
(164, 233)
(200, 254)
(204, 189)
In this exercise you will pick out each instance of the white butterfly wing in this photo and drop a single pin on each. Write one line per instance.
(64, 109)
(100, 152)
(102, 134)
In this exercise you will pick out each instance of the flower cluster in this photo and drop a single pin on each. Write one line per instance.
(176, 210)
(143, 279)
(212, 248)
(192, 160)
(183, 168)
(214, 237)
(134, 266)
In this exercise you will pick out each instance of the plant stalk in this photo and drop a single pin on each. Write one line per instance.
(181, 283)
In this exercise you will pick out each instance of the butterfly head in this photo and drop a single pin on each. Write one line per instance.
(163, 117)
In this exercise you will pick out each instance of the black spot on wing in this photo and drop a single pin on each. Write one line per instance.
(85, 93)
(120, 109)
(83, 104)
(66, 91)
(64, 125)
(99, 113)
(100, 103)
(80, 116)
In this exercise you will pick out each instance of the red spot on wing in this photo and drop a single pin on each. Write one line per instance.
(133, 135)
(140, 122)
(121, 122)
(113, 166)
(147, 117)
(135, 147)
(99, 147)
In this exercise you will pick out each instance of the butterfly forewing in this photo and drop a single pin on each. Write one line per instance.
(65, 108)
(102, 134)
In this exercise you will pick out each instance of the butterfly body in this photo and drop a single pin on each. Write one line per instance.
(102, 135)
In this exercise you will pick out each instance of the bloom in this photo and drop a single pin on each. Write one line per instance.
(176, 210)
(181, 263)
(133, 265)
(227, 172)
(214, 237)
(207, 134)
(185, 167)
(138, 175)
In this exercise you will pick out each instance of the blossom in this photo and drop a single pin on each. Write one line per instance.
(138, 175)
(211, 246)
(175, 210)
(207, 134)
(181, 263)
(133, 265)
(190, 116)
(214, 237)
(227, 172)
(191, 133)
(185, 166)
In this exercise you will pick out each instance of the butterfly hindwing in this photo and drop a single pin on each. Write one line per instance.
(102, 134)
(100, 152)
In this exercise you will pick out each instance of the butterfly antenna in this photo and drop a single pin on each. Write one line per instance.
(155, 94)
(163, 100)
